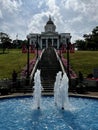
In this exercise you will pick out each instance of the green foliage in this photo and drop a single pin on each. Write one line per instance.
(5, 41)
(14, 60)
(18, 43)
(81, 44)
(84, 61)
(90, 41)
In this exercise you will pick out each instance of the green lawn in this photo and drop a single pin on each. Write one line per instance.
(84, 61)
(15, 59)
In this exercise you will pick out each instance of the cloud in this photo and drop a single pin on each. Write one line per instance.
(40, 4)
(10, 5)
(25, 16)
(1, 16)
(11, 20)
(37, 22)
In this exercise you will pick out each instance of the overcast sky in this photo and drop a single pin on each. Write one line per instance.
(22, 17)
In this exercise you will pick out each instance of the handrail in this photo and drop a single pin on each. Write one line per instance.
(62, 67)
(34, 68)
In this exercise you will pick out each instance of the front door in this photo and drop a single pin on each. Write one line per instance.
(49, 42)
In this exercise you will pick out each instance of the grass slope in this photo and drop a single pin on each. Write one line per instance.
(84, 61)
(15, 59)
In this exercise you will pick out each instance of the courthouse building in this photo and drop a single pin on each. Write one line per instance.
(49, 37)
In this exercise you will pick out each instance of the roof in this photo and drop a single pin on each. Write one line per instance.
(50, 21)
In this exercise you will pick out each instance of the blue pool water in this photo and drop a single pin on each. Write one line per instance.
(21, 114)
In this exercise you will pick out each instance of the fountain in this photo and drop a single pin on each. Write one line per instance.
(37, 89)
(64, 91)
(19, 113)
(61, 90)
(57, 88)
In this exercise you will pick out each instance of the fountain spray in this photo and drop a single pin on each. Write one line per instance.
(61, 90)
(37, 89)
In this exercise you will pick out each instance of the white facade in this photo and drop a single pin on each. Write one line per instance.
(49, 37)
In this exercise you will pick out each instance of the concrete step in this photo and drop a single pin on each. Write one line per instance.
(49, 66)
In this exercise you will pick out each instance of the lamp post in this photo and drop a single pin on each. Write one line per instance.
(27, 76)
(68, 48)
(60, 49)
(60, 45)
(37, 46)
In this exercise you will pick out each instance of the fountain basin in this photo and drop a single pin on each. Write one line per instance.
(21, 114)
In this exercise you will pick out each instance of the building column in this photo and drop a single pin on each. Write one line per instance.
(52, 41)
(46, 43)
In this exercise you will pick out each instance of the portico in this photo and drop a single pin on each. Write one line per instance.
(49, 37)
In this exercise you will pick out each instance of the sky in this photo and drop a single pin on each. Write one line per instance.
(21, 17)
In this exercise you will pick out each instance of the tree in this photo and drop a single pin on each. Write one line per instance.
(95, 36)
(92, 39)
(19, 43)
(5, 41)
(80, 44)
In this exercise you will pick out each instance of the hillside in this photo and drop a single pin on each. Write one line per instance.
(84, 61)
(15, 59)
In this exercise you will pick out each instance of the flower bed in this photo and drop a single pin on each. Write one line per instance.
(72, 73)
(31, 65)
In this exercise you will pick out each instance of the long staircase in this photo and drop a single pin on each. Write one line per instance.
(49, 66)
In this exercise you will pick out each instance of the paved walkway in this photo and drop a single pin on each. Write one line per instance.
(88, 94)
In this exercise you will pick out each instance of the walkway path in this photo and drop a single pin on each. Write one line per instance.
(89, 95)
